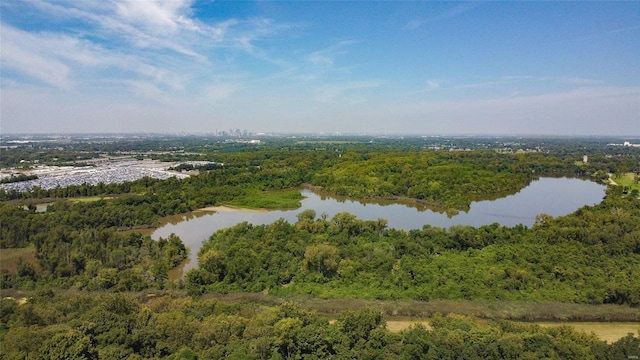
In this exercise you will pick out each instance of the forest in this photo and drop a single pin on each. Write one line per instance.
(114, 325)
(592, 257)
(84, 279)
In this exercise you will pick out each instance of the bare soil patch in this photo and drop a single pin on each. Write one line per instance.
(607, 331)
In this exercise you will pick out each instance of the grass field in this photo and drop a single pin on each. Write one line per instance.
(90, 198)
(9, 257)
(627, 180)
(256, 199)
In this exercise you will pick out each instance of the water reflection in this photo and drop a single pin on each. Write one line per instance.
(553, 196)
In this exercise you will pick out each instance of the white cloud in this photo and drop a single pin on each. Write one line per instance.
(159, 17)
(459, 9)
(142, 23)
(18, 54)
(433, 85)
(154, 40)
(327, 55)
(58, 60)
(219, 31)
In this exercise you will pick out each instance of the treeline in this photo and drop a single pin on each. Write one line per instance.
(449, 179)
(54, 325)
(592, 257)
(446, 179)
(78, 245)
(63, 236)
(97, 260)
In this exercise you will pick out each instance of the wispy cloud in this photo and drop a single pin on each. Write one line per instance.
(579, 81)
(521, 79)
(55, 59)
(433, 85)
(625, 29)
(451, 13)
(482, 84)
(157, 17)
(20, 52)
(152, 48)
(327, 55)
(141, 23)
(599, 35)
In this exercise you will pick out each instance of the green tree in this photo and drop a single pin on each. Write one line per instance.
(322, 258)
(69, 345)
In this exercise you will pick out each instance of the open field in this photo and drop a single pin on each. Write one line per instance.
(256, 199)
(627, 180)
(9, 258)
(43, 202)
(90, 198)
(607, 331)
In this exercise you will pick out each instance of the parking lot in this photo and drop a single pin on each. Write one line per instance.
(51, 177)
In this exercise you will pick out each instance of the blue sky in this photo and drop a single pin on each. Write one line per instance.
(425, 68)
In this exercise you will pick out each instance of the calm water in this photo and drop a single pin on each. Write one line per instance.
(553, 196)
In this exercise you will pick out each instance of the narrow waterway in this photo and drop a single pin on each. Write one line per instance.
(553, 196)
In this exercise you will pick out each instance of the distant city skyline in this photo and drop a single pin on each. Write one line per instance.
(484, 68)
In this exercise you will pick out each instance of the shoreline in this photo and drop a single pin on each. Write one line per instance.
(226, 208)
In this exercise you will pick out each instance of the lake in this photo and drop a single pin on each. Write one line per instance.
(553, 196)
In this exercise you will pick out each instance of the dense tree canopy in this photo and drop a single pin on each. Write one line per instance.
(83, 257)
(590, 257)
(71, 325)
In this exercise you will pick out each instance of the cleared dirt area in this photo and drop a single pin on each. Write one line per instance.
(607, 331)
(399, 325)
